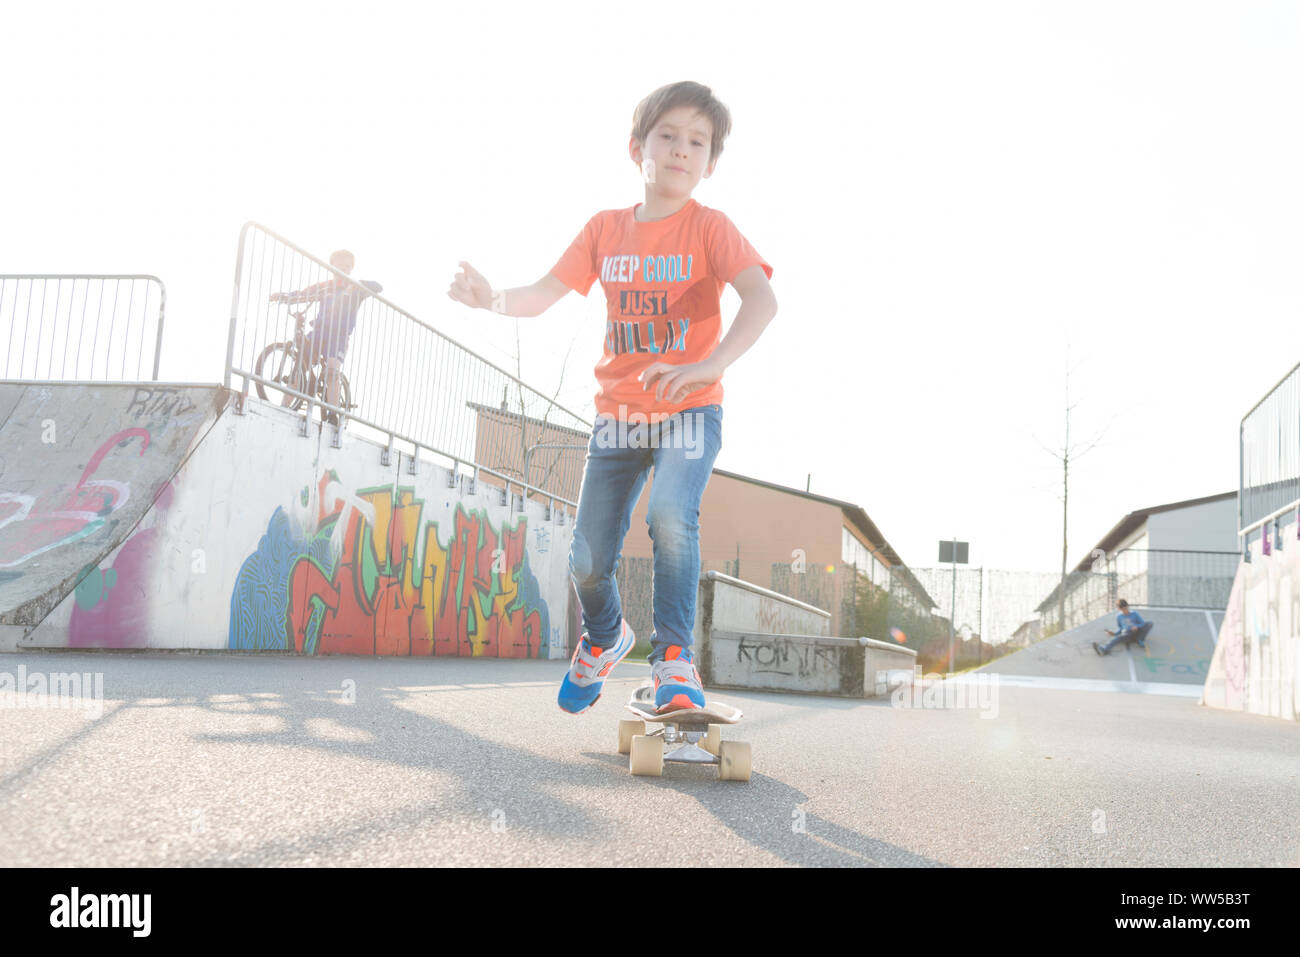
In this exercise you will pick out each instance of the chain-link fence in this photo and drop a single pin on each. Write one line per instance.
(1144, 577)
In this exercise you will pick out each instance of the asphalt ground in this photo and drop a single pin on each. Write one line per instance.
(241, 760)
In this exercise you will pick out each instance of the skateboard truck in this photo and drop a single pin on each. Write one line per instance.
(693, 734)
(689, 750)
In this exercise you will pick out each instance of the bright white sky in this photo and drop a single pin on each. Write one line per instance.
(947, 192)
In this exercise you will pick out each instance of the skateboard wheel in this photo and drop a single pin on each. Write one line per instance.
(647, 756)
(712, 739)
(628, 729)
(734, 761)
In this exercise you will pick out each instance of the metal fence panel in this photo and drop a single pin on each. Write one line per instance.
(82, 328)
(1270, 453)
(404, 380)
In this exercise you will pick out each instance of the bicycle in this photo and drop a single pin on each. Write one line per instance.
(284, 363)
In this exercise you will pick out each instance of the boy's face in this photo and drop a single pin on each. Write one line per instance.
(675, 156)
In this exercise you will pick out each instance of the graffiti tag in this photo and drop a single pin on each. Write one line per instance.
(783, 656)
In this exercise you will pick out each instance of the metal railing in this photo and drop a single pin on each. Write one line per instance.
(1155, 577)
(84, 328)
(1270, 456)
(1174, 578)
(404, 381)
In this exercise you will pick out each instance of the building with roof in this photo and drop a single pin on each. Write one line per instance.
(812, 547)
(1177, 555)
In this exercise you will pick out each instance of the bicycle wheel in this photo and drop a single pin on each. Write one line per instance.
(276, 363)
(316, 386)
(345, 394)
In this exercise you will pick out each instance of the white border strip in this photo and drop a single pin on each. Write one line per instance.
(1087, 684)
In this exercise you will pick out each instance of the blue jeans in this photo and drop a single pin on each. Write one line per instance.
(682, 450)
(1138, 634)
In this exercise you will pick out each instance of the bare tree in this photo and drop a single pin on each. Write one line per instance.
(1065, 456)
(525, 447)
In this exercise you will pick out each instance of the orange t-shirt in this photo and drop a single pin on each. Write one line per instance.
(663, 282)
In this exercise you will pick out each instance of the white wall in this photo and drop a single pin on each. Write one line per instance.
(1209, 527)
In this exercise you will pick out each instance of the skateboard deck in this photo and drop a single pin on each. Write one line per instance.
(714, 712)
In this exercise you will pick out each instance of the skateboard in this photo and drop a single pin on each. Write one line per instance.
(694, 734)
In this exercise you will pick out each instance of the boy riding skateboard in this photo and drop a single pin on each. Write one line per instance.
(662, 264)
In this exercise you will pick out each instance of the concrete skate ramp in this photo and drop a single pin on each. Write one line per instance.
(80, 464)
(145, 516)
(1178, 651)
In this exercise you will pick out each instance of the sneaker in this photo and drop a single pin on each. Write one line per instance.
(1097, 648)
(589, 668)
(677, 682)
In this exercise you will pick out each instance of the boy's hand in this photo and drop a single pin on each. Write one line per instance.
(675, 382)
(471, 288)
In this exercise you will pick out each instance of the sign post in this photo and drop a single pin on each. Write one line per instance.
(953, 552)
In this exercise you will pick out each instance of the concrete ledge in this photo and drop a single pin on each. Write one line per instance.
(765, 593)
(749, 637)
(805, 664)
(808, 664)
(885, 666)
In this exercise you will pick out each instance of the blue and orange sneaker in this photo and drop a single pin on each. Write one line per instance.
(588, 669)
(677, 682)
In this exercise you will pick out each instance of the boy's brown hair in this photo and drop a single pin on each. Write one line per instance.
(685, 93)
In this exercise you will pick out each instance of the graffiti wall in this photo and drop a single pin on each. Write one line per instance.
(1256, 664)
(366, 572)
(265, 540)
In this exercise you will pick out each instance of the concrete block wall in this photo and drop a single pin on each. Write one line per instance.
(752, 638)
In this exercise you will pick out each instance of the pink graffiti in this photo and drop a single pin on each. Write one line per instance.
(32, 525)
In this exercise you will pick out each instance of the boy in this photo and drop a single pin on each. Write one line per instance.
(1128, 623)
(662, 264)
(335, 320)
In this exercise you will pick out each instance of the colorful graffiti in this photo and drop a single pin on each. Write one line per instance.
(32, 525)
(1256, 665)
(338, 573)
(112, 606)
(1271, 634)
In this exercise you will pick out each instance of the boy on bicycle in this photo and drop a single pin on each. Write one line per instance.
(663, 265)
(327, 340)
